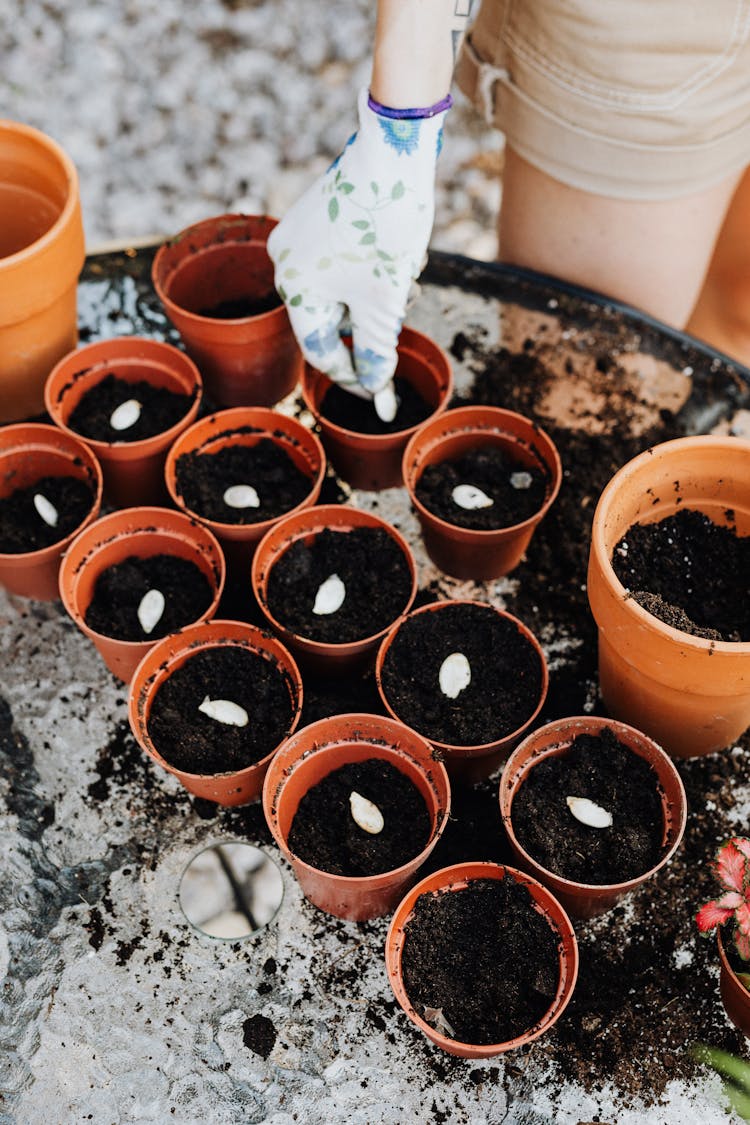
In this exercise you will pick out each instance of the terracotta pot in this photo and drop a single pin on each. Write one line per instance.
(317, 656)
(459, 551)
(373, 461)
(457, 878)
(133, 470)
(41, 256)
(586, 900)
(29, 452)
(690, 694)
(734, 996)
(247, 361)
(170, 653)
(468, 763)
(142, 532)
(314, 752)
(247, 426)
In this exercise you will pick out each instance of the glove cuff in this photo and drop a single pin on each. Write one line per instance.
(410, 114)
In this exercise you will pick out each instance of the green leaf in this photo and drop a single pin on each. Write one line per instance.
(346, 188)
(338, 175)
(282, 293)
(386, 257)
(367, 239)
(297, 300)
(347, 257)
(374, 186)
(397, 190)
(333, 209)
(291, 272)
(361, 224)
(376, 272)
(284, 254)
(324, 263)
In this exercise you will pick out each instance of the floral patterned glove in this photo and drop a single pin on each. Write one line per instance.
(355, 241)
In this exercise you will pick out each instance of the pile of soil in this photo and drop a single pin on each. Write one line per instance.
(373, 569)
(484, 957)
(358, 414)
(324, 833)
(23, 529)
(191, 741)
(161, 409)
(118, 591)
(490, 468)
(236, 308)
(506, 675)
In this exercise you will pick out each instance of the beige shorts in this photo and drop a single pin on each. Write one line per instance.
(637, 99)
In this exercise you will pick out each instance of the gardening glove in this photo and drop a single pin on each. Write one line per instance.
(355, 241)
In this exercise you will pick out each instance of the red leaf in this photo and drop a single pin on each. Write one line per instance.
(718, 912)
(742, 844)
(742, 945)
(731, 866)
(742, 917)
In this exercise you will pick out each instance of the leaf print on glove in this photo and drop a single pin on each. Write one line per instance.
(322, 341)
(373, 370)
(402, 135)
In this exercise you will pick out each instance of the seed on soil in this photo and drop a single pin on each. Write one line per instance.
(224, 711)
(364, 813)
(386, 404)
(454, 675)
(521, 480)
(46, 510)
(125, 415)
(241, 496)
(470, 498)
(150, 610)
(439, 1022)
(589, 813)
(330, 596)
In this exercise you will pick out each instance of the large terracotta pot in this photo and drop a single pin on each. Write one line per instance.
(734, 996)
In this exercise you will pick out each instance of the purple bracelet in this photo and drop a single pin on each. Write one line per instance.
(409, 114)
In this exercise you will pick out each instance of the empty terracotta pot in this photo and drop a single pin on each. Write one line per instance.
(133, 470)
(29, 452)
(245, 360)
(314, 752)
(464, 552)
(734, 996)
(586, 900)
(690, 694)
(373, 461)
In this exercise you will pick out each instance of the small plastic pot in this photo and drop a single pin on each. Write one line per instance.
(142, 532)
(321, 658)
(314, 752)
(29, 452)
(690, 694)
(734, 996)
(373, 461)
(463, 552)
(133, 470)
(468, 764)
(586, 900)
(170, 653)
(457, 878)
(247, 361)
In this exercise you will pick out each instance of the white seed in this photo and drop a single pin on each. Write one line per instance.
(45, 509)
(224, 711)
(125, 415)
(241, 496)
(439, 1022)
(469, 497)
(520, 481)
(386, 403)
(150, 610)
(365, 814)
(330, 596)
(588, 813)
(454, 675)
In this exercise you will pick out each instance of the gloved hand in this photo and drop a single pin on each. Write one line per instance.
(355, 240)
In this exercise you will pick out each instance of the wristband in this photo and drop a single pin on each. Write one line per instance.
(410, 114)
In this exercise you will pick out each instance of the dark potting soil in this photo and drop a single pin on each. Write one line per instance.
(493, 470)
(192, 741)
(506, 675)
(689, 572)
(113, 610)
(324, 833)
(237, 308)
(23, 529)
(160, 410)
(358, 414)
(203, 478)
(373, 569)
(484, 957)
(605, 771)
(343, 696)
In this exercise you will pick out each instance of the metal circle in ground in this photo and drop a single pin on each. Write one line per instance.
(230, 891)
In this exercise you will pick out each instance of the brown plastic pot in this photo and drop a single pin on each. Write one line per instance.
(238, 787)
(142, 532)
(586, 900)
(314, 752)
(468, 763)
(41, 256)
(690, 694)
(457, 878)
(29, 452)
(247, 361)
(734, 996)
(324, 659)
(133, 470)
(462, 552)
(373, 461)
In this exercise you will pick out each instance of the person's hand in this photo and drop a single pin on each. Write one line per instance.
(354, 242)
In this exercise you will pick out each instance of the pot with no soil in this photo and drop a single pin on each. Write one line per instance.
(212, 704)
(592, 808)
(480, 480)
(128, 399)
(728, 916)
(331, 581)
(356, 804)
(482, 959)
(216, 282)
(50, 488)
(668, 588)
(136, 575)
(364, 450)
(466, 675)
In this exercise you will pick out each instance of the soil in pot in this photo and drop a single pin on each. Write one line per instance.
(120, 589)
(236, 308)
(160, 409)
(358, 414)
(506, 676)
(192, 740)
(203, 480)
(325, 834)
(373, 569)
(24, 528)
(689, 572)
(482, 958)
